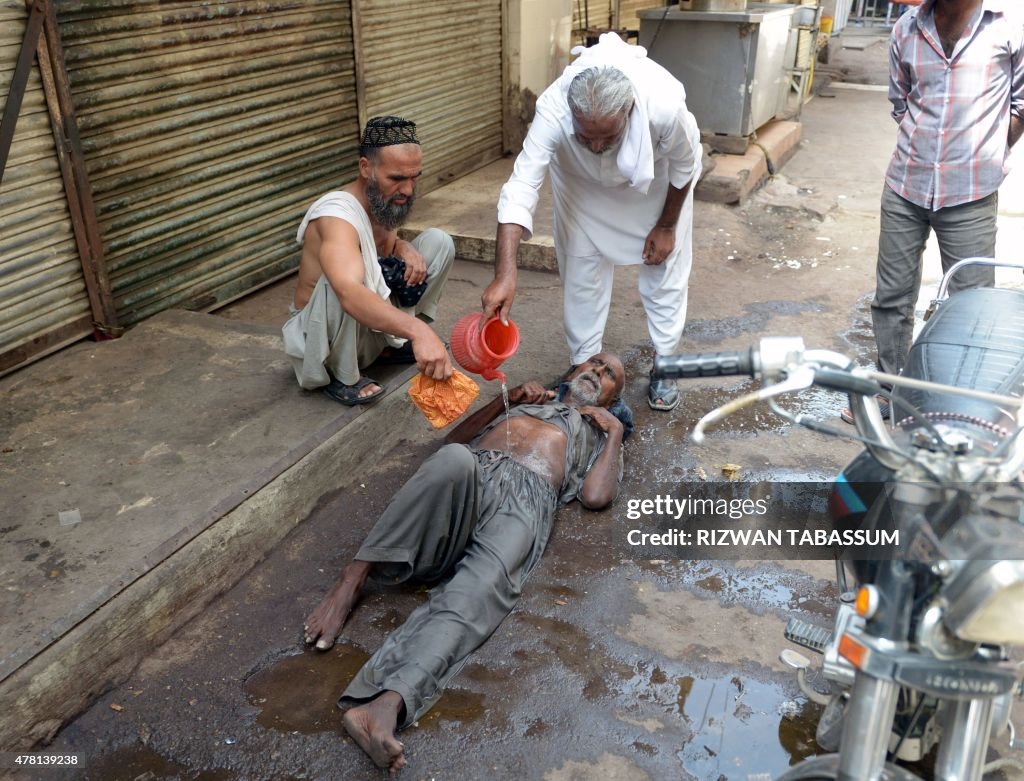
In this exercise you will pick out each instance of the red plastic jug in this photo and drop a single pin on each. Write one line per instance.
(482, 351)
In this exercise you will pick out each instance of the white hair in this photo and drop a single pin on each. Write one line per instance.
(600, 92)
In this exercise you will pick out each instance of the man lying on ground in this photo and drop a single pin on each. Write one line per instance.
(478, 512)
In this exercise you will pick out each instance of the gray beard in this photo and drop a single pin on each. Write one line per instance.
(585, 393)
(386, 214)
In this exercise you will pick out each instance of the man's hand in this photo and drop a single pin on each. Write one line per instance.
(431, 355)
(659, 245)
(497, 299)
(602, 418)
(530, 393)
(415, 264)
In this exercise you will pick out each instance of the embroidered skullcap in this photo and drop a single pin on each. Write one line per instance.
(386, 131)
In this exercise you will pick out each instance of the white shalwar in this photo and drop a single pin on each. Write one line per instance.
(606, 204)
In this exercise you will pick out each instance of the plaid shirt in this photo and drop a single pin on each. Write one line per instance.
(954, 113)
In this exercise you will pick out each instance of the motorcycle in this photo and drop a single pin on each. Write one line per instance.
(918, 656)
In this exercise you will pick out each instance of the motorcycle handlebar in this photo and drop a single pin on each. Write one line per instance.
(723, 364)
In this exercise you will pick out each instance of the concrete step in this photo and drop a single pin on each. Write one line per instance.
(468, 210)
(735, 177)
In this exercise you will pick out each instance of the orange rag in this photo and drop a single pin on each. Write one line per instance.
(443, 401)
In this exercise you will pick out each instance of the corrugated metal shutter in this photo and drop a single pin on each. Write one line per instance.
(628, 10)
(438, 64)
(208, 129)
(43, 298)
(592, 14)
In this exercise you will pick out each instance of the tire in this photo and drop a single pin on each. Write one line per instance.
(826, 768)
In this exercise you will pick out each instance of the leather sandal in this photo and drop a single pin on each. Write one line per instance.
(349, 394)
(663, 395)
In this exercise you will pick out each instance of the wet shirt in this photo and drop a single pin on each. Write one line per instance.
(584, 442)
(954, 112)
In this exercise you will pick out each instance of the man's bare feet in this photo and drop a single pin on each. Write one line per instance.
(324, 624)
(373, 727)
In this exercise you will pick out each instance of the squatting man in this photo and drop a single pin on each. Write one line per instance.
(344, 315)
(475, 519)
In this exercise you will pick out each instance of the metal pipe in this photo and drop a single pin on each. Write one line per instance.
(965, 733)
(867, 724)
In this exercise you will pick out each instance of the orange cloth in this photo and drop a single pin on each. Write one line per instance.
(443, 401)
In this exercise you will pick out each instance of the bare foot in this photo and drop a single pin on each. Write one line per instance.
(373, 727)
(324, 624)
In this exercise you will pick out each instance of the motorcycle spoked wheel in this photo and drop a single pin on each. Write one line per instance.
(826, 768)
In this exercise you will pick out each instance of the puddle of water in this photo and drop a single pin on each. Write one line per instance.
(141, 763)
(299, 693)
(738, 726)
(760, 588)
(455, 705)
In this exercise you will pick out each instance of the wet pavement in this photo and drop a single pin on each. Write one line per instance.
(608, 668)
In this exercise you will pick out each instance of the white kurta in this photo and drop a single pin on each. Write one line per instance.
(605, 205)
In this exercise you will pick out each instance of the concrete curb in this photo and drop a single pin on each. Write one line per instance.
(537, 254)
(735, 177)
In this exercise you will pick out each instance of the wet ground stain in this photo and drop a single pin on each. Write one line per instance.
(575, 651)
(299, 693)
(457, 705)
(141, 763)
(737, 726)
(759, 589)
(754, 321)
(859, 338)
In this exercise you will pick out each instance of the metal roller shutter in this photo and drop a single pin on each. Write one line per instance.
(438, 64)
(629, 10)
(208, 129)
(43, 299)
(592, 15)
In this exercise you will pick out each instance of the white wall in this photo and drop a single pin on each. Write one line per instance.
(544, 42)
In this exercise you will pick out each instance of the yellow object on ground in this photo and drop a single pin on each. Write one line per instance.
(443, 401)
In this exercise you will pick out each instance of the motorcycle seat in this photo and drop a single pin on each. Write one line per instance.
(974, 340)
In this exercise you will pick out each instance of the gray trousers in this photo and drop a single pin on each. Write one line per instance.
(477, 518)
(964, 231)
(324, 341)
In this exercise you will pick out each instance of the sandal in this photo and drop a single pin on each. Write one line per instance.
(883, 406)
(663, 395)
(349, 394)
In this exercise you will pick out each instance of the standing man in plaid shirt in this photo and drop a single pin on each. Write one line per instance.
(956, 84)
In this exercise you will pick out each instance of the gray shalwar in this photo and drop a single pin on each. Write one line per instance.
(480, 519)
